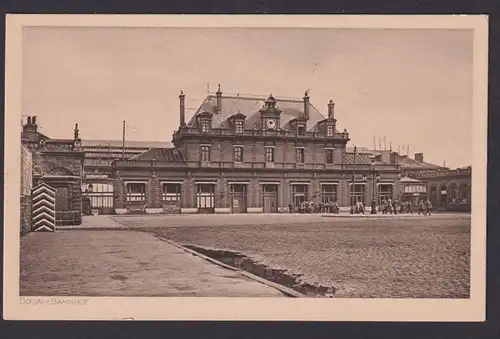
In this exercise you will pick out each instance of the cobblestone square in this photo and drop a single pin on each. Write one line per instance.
(412, 257)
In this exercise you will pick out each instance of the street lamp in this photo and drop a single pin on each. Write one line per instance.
(353, 187)
(375, 177)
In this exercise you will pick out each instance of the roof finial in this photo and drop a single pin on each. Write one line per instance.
(218, 88)
(182, 92)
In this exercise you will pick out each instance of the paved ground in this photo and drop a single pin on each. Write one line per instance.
(149, 221)
(123, 263)
(422, 257)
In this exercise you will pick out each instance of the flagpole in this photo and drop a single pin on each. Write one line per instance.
(123, 141)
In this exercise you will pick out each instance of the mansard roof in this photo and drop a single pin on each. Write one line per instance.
(250, 106)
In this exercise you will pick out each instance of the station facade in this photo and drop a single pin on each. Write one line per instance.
(241, 154)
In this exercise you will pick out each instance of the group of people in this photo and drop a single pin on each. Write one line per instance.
(315, 207)
(387, 206)
(394, 206)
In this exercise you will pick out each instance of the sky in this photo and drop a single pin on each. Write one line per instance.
(412, 86)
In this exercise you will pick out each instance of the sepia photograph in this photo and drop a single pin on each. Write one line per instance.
(234, 165)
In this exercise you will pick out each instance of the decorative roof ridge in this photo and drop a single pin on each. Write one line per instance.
(255, 97)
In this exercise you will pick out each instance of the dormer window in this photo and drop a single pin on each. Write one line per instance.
(237, 122)
(205, 125)
(205, 122)
(330, 130)
(301, 129)
(238, 127)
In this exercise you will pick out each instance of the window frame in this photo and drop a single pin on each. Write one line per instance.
(330, 130)
(205, 125)
(300, 153)
(332, 160)
(301, 130)
(171, 196)
(239, 127)
(238, 154)
(269, 151)
(137, 196)
(205, 153)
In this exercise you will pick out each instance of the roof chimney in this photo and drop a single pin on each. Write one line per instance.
(306, 105)
(76, 135)
(30, 127)
(419, 157)
(182, 114)
(331, 110)
(219, 100)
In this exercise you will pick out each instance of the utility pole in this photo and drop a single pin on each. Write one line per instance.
(123, 141)
(353, 187)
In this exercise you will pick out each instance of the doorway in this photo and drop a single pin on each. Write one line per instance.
(238, 198)
(270, 198)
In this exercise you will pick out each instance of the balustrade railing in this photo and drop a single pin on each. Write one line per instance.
(260, 132)
(256, 165)
(445, 173)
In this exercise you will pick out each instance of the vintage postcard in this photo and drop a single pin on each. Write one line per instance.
(316, 168)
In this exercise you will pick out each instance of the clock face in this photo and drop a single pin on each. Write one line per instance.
(271, 124)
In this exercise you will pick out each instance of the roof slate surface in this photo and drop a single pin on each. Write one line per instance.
(250, 107)
(410, 163)
(160, 154)
(361, 159)
(128, 143)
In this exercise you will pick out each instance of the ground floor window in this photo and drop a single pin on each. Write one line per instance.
(328, 193)
(385, 191)
(299, 194)
(443, 195)
(100, 196)
(463, 193)
(205, 197)
(171, 192)
(357, 193)
(136, 191)
(453, 194)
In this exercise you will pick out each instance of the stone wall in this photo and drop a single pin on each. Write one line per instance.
(26, 185)
(25, 214)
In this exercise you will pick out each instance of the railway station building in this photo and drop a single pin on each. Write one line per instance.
(251, 154)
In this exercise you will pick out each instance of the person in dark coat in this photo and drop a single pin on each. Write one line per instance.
(408, 207)
(421, 207)
(428, 207)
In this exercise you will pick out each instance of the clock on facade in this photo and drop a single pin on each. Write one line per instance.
(271, 124)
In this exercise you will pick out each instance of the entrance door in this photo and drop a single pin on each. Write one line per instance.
(205, 198)
(270, 198)
(238, 198)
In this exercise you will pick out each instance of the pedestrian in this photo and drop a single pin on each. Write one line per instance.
(408, 207)
(421, 207)
(428, 207)
(401, 207)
